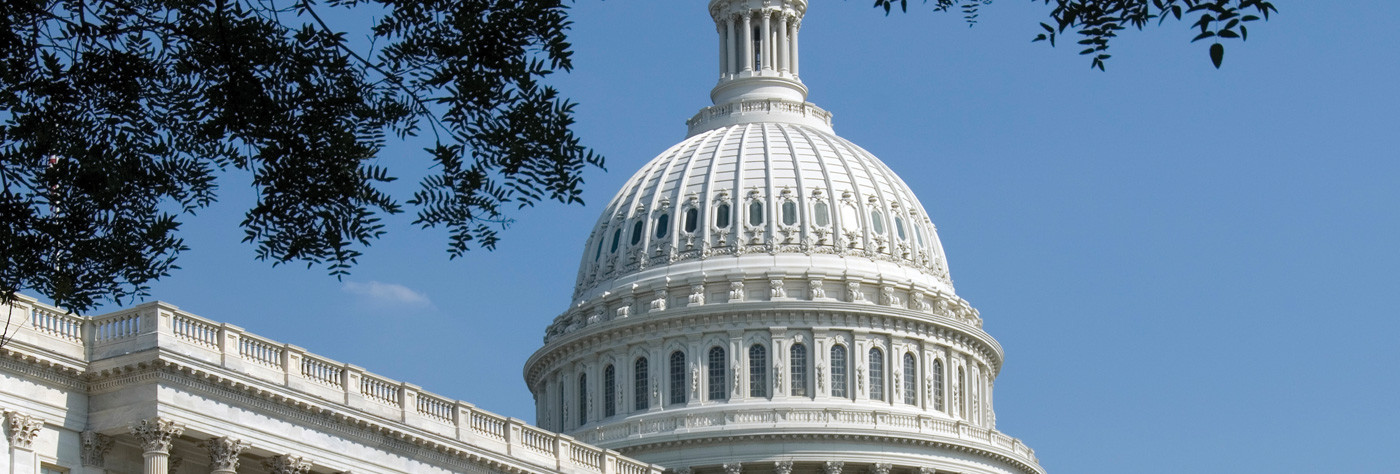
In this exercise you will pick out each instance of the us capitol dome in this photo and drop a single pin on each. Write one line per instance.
(766, 296)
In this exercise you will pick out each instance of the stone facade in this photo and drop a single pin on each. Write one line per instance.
(157, 390)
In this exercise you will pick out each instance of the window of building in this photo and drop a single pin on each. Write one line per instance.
(562, 404)
(797, 359)
(838, 371)
(911, 379)
(718, 390)
(692, 219)
(51, 469)
(663, 224)
(637, 229)
(899, 227)
(789, 213)
(609, 391)
(722, 216)
(919, 235)
(877, 374)
(938, 384)
(639, 384)
(582, 399)
(677, 377)
(877, 222)
(961, 394)
(617, 236)
(758, 371)
(756, 213)
(821, 215)
(599, 253)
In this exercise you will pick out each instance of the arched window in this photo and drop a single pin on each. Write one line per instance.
(640, 400)
(755, 213)
(797, 358)
(692, 218)
(663, 224)
(758, 371)
(877, 222)
(617, 236)
(718, 390)
(599, 253)
(722, 216)
(609, 391)
(637, 229)
(677, 377)
(919, 234)
(582, 399)
(938, 384)
(562, 405)
(911, 379)
(961, 394)
(838, 371)
(789, 213)
(899, 227)
(821, 215)
(877, 374)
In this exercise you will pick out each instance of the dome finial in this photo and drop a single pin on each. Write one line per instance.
(758, 49)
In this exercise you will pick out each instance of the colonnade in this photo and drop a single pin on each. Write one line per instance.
(155, 436)
(758, 42)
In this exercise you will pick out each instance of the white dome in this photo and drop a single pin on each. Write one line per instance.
(825, 208)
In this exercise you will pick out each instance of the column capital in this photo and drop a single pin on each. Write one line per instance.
(22, 429)
(223, 453)
(833, 467)
(287, 464)
(95, 447)
(782, 467)
(733, 468)
(881, 468)
(156, 434)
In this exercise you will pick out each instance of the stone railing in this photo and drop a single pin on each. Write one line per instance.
(220, 346)
(883, 422)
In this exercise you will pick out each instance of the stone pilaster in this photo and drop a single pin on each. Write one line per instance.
(21, 430)
(95, 447)
(287, 464)
(156, 435)
(223, 454)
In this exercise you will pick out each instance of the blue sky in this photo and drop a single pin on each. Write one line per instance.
(1190, 269)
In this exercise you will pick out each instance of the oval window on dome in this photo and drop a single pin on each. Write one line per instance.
(899, 227)
(663, 224)
(637, 231)
(598, 253)
(877, 222)
(919, 235)
(722, 216)
(691, 217)
(617, 236)
(756, 213)
(789, 213)
(822, 216)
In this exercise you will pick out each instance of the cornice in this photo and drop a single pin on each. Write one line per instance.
(34, 367)
(1023, 466)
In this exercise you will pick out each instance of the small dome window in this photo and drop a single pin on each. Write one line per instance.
(598, 253)
(637, 231)
(722, 216)
(919, 234)
(823, 216)
(877, 222)
(789, 213)
(756, 213)
(899, 227)
(617, 236)
(692, 218)
(663, 224)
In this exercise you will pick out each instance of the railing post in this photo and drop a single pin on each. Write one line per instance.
(291, 363)
(514, 437)
(408, 397)
(230, 337)
(465, 432)
(562, 451)
(609, 462)
(353, 397)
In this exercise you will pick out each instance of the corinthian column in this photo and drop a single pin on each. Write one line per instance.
(223, 454)
(156, 435)
(21, 430)
(287, 464)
